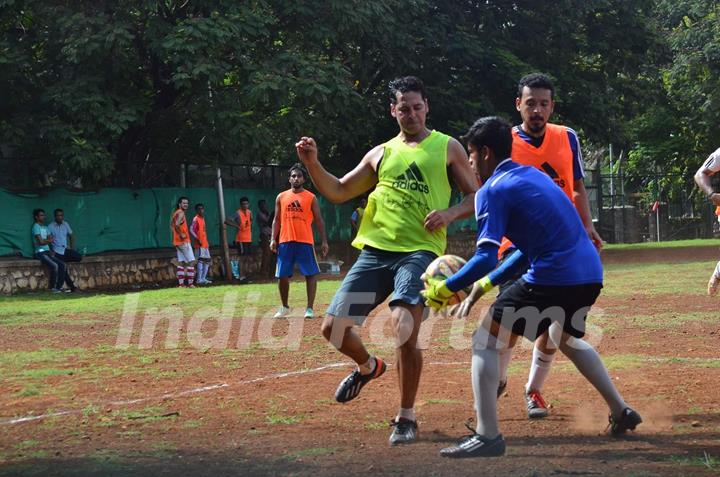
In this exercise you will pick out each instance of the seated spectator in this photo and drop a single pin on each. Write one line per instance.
(62, 234)
(42, 238)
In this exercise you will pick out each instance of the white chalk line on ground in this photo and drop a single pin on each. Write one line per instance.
(212, 387)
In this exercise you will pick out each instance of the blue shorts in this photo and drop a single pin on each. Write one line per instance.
(290, 253)
(375, 275)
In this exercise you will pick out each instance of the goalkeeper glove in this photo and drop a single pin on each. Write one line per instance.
(436, 293)
(485, 285)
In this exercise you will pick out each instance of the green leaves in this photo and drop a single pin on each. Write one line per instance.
(106, 87)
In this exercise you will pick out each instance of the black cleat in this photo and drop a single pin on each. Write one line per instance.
(628, 421)
(405, 432)
(475, 445)
(350, 387)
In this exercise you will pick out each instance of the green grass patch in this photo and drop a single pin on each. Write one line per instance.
(375, 426)
(28, 391)
(27, 444)
(192, 424)
(441, 401)
(275, 418)
(617, 362)
(661, 245)
(24, 359)
(635, 279)
(670, 319)
(705, 460)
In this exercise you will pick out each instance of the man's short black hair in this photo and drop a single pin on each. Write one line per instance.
(197, 206)
(244, 199)
(36, 212)
(493, 132)
(297, 167)
(536, 80)
(58, 210)
(180, 200)
(405, 84)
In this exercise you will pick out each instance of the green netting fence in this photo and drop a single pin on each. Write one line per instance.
(133, 219)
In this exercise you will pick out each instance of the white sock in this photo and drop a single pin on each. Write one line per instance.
(717, 270)
(206, 269)
(539, 369)
(588, 362)
(504, 355)
(485, 379)
(368, 367)
(408, 414)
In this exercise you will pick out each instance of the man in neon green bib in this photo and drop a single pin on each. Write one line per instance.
(402, 231)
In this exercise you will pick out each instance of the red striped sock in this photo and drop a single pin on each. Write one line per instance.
(181, 275)
(190, 274)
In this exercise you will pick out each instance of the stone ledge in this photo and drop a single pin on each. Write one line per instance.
(126, 269)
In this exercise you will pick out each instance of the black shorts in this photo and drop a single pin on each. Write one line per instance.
(529, 310)
(512, 278)
(243, 248)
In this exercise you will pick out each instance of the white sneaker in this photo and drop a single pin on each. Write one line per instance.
(309, 313)
(282, 312)
(207, 282)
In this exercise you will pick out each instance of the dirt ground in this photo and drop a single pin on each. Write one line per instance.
(271, 412)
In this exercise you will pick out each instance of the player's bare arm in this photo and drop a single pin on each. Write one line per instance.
(320, 224)
(466, 180)
(582, 204)
(702, 179)
(275, 226)
(351, 185)
(232, 223)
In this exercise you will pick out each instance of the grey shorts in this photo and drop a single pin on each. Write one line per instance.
(375, 275)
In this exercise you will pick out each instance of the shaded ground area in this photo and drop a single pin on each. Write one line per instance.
(259, 408)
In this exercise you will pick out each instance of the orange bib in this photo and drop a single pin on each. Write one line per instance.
(201, 232)
(554, 157)
(177, 240)
(244, 234)
(296, 216)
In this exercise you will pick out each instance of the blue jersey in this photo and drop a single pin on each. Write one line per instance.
(524, 205)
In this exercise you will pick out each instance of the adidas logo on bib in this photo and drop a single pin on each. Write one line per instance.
(295, 206)
(411, 179)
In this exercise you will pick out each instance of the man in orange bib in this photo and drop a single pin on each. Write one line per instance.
(243, 239)
(181, 241)
(202, 246)
(292, 239)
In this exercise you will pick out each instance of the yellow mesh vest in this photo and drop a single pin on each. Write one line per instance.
(412, 181)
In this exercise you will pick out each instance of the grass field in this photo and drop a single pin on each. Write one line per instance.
(203, 382)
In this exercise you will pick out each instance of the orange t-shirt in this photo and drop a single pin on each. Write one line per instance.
(554, 157)
(183, 228)
(717, 210)
(244, 233)
(201, 232)
(296, 216)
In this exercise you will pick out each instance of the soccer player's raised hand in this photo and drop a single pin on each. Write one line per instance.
(306, 150)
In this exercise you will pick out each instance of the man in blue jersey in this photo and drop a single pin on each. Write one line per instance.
(555, 150)
(562, 283)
